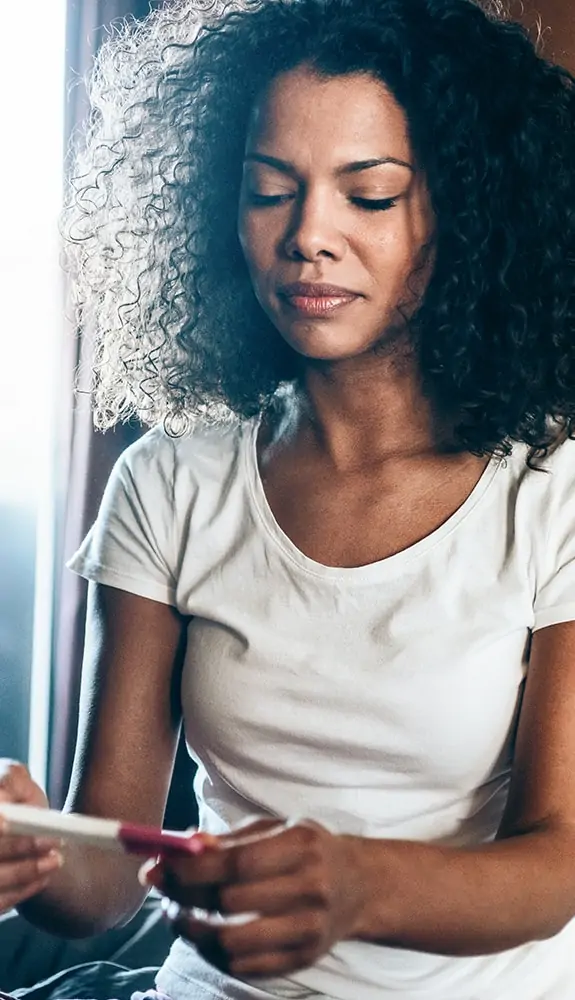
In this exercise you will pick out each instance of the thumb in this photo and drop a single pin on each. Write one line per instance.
(16, 784)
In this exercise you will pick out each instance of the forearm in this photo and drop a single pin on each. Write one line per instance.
(94, 891)
(467, 901)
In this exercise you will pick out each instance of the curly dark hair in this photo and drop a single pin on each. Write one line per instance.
(151, 222)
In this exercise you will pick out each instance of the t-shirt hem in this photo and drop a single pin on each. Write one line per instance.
(554, 616)
(167, 982)
(122, 581)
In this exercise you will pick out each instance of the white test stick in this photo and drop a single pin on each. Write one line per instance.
(33, 822)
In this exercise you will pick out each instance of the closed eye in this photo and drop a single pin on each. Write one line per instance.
(375, 204)
(369, 204)
(267, 199)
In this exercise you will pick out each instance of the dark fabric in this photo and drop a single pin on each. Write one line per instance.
(94, 981)
(29, 955)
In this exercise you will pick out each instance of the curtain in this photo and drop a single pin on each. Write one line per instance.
(557, 19)
(85, 457)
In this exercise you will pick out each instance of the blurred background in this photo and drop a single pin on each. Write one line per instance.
(53, 466)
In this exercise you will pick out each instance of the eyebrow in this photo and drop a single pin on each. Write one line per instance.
(348, 168)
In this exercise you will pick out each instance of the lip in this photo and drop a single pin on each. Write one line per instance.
(316, 290)
(315, 299)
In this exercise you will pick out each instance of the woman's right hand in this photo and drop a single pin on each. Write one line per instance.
(26, 863)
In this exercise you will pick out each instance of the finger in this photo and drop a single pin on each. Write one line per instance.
(271, 897)
(278, 855)
(298, 930)
(8, 900)
(15, 847)
(281, 950)
(152, 870)
(203, 896)
(16, 784)
(20, 874)
(275, 963)
(45, 844)
(201, 935)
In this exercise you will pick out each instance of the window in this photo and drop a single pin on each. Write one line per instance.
(32, 113)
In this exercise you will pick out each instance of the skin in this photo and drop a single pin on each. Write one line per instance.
(362, 447)
(321, 231)
(129, 724)
(363, 229)
(336, 453)
(26, 863)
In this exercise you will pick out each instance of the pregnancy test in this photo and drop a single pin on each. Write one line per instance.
(109, 834)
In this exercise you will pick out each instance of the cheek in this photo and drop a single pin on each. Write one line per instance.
(399, 248)
(390, 255)
(244, 237)
(257, 241)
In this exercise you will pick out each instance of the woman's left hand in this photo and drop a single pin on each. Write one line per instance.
(304, 884)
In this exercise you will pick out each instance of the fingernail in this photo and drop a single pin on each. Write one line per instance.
(170, 909)
(196, 844)
(47, 843)
(52, 860)
(144, 872)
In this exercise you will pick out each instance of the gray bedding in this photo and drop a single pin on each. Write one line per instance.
(28, 956)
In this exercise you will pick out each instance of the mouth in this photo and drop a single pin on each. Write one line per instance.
(315, 299)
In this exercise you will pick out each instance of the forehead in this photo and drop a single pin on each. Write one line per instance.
(343, 116)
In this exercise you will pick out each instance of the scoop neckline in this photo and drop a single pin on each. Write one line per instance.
(350, 574)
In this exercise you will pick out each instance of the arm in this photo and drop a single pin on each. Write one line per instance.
(129, 723)
(521, 887)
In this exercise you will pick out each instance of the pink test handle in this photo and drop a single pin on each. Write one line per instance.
(149, 840)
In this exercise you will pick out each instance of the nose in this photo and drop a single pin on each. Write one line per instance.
(314, 232)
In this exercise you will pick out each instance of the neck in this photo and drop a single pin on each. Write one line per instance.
(364, 411)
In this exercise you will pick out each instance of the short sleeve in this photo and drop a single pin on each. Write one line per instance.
(555, 593)
(131, 544)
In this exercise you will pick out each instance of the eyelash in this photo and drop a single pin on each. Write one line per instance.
(368, 204)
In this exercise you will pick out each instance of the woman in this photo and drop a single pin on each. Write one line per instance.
(327, 249)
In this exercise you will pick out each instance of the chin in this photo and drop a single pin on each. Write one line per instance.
(316, 351)
(328, 341)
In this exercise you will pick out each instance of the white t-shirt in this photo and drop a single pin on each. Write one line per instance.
(380, 700)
